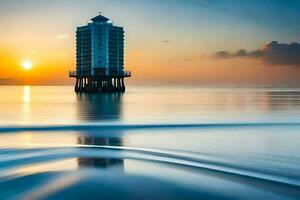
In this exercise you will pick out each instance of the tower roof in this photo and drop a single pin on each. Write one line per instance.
(100, 18)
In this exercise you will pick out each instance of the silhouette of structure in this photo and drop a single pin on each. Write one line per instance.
(100, 57)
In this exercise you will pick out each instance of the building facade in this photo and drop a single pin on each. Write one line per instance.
(99, 53)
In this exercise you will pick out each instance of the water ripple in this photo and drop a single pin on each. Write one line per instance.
(95, 127)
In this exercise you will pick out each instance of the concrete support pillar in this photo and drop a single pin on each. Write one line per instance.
(119, 83)
(76, 85)
(123, 85)
(115, 83)
(102, 84)
(81, 85)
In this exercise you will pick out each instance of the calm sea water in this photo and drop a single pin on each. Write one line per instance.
(149, 143)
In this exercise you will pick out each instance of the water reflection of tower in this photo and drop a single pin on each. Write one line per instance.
(99, 108)
(103, 163)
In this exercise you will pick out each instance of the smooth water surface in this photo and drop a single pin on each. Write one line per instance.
(149, 143)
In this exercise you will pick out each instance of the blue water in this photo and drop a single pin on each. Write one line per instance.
(150, 143)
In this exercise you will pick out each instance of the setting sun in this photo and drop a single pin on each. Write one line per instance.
(27, 65)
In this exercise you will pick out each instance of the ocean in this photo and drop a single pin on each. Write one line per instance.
(149, 143)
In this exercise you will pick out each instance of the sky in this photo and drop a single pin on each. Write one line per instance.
(168, 42)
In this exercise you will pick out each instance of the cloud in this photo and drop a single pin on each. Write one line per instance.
(188, 60)
(272, 53)
(63, 36)
(227, 54)
(222, 54)
(166, 41)
(3, 78)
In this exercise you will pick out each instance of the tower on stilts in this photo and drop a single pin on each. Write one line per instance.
(100, 57)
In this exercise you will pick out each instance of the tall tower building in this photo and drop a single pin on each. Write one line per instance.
(99, 57)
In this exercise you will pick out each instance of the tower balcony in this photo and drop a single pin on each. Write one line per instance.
(99, 74)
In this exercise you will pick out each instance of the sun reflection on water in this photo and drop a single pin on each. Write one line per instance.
(26, 103)
(26, 94)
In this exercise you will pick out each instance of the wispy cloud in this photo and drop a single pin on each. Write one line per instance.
(272, 53)
(166, 41)
(3, 78)
(63, 36)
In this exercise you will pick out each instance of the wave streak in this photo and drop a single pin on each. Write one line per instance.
(95, 127)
